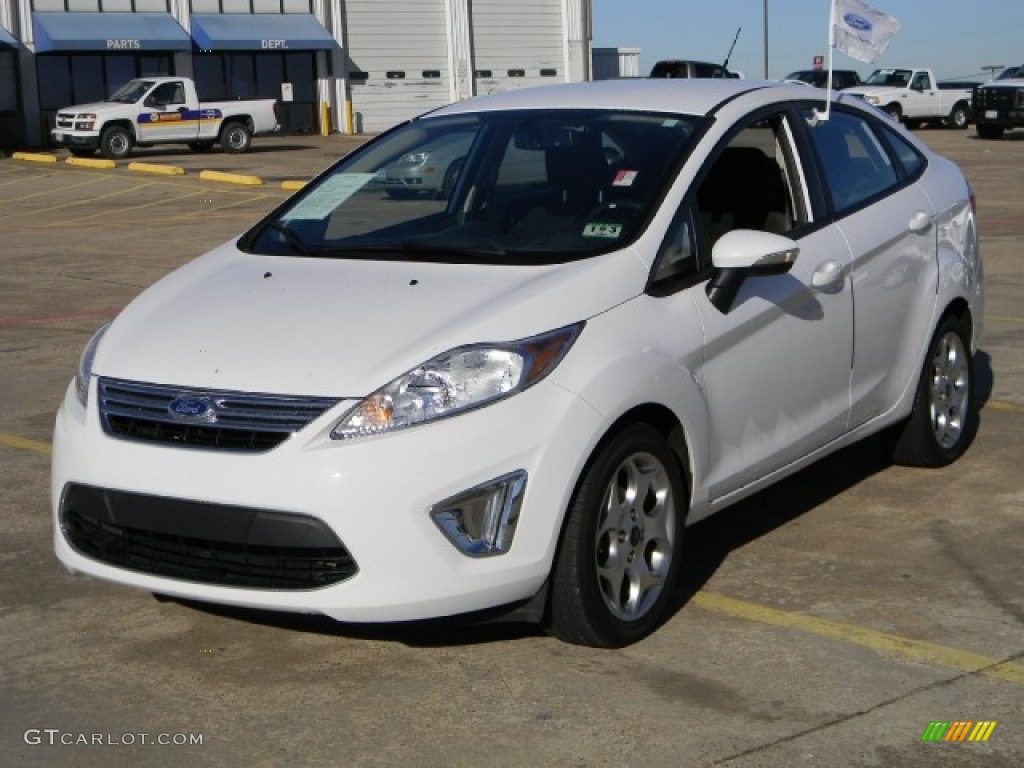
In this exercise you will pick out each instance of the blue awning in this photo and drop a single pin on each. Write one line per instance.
(260, 32)
(7, 39)
(109, 32)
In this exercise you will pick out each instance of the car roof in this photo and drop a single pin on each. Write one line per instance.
(696, 96)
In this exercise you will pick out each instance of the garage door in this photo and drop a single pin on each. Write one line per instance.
(517, 44)
(397, 59)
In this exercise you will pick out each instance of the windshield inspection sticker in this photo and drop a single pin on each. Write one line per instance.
(602, 229)
(332, 193)
(624, 179)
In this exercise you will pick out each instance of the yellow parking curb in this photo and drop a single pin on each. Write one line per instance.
(167, 170)
(231, 178)
(292, 184)
(34, 157)
(89, 162)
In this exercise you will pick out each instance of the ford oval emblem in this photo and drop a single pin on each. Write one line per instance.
(192, 408)
(857, 21)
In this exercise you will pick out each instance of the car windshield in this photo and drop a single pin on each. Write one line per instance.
(523, 187)
(897, 78)
(1011, 72)
(131, 91)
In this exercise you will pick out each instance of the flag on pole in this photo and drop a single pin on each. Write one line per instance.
(860, 31)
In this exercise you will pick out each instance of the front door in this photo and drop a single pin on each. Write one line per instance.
(166, 115)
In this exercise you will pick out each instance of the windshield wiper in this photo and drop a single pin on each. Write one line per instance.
(441, 252)
(299, 245)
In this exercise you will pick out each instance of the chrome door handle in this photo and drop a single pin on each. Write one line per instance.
(920, 222)
(828, 277)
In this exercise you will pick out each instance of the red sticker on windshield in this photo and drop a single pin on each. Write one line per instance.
(624, 179)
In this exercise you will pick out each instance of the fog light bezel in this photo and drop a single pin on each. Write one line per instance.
(481, 521)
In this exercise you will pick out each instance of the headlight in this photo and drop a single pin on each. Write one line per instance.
(872, 100)
(457, 381)
(85, 365)
(414, 158)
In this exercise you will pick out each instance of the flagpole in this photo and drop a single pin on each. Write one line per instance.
(831, 48)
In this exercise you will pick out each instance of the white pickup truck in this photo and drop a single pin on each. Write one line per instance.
(161, 110)
(913, 96)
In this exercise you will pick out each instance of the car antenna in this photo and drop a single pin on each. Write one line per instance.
(728, 56)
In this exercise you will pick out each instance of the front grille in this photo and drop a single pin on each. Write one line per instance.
(206, 543)
(237, 421)
(995, 98)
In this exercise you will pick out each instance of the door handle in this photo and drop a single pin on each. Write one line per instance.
(828, 277)
(920, 222)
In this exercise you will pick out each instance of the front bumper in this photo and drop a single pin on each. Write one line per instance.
(373, 494)
(64, 138)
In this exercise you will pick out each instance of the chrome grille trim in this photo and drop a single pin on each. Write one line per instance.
(242, 421)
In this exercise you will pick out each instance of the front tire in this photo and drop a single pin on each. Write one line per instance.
(235, 138)
(990, 131)
(116, 142)
(944, 419)
(618, 559)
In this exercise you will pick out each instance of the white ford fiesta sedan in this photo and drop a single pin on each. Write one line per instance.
(635, 303)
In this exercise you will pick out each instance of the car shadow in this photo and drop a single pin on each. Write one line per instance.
(706, 546)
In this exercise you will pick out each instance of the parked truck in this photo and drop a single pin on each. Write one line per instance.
(913, 96)
(998, 106)
(161, 110)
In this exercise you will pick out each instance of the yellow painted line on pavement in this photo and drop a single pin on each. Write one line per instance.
(91, 162)
(1003, 319)
(231, 178)
(1011, 671)
(34, 157)
(25, 444)
(292, 185)
(999, 405)
(166, 170)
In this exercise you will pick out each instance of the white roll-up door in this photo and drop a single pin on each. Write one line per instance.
(517, 43)
(397, 60)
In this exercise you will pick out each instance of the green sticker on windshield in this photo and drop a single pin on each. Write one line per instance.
(603, 229)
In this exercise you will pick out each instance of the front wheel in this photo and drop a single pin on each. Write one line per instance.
(990, 131)
(894, 111)
(115, 142)
(619, 555)
(944, 419)
(235, 138)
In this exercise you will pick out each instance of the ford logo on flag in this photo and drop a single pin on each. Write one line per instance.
(857, 21)
(192, 408)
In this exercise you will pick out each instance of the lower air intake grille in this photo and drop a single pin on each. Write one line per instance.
(205, 543)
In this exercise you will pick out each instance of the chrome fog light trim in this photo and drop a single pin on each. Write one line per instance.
(481, 522)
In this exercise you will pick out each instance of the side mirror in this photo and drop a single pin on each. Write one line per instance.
(742, 253)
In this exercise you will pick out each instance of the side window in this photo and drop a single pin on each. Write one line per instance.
(921, 82)
(855, 165)
(752, 182)
(167, 93)
(909, 159)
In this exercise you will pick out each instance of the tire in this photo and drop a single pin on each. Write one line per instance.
(451, 178)
(201, 146)
(945, 418)
(618, 559)
(116, 142)
(959, 117)
(235, 138)
(81, 151)
(894, 111)
(989, 131)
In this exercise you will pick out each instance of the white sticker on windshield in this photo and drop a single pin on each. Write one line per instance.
(602, 229)
(624, 178)
(329, 195)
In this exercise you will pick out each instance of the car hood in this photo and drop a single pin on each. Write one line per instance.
(93, 107)
(341, 327)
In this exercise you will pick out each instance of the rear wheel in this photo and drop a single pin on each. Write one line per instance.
(619, 556)
(958, 117)
(115, 142)
(235, 138)
(944, 418)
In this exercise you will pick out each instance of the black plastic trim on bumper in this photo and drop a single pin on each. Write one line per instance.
(207, 543)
